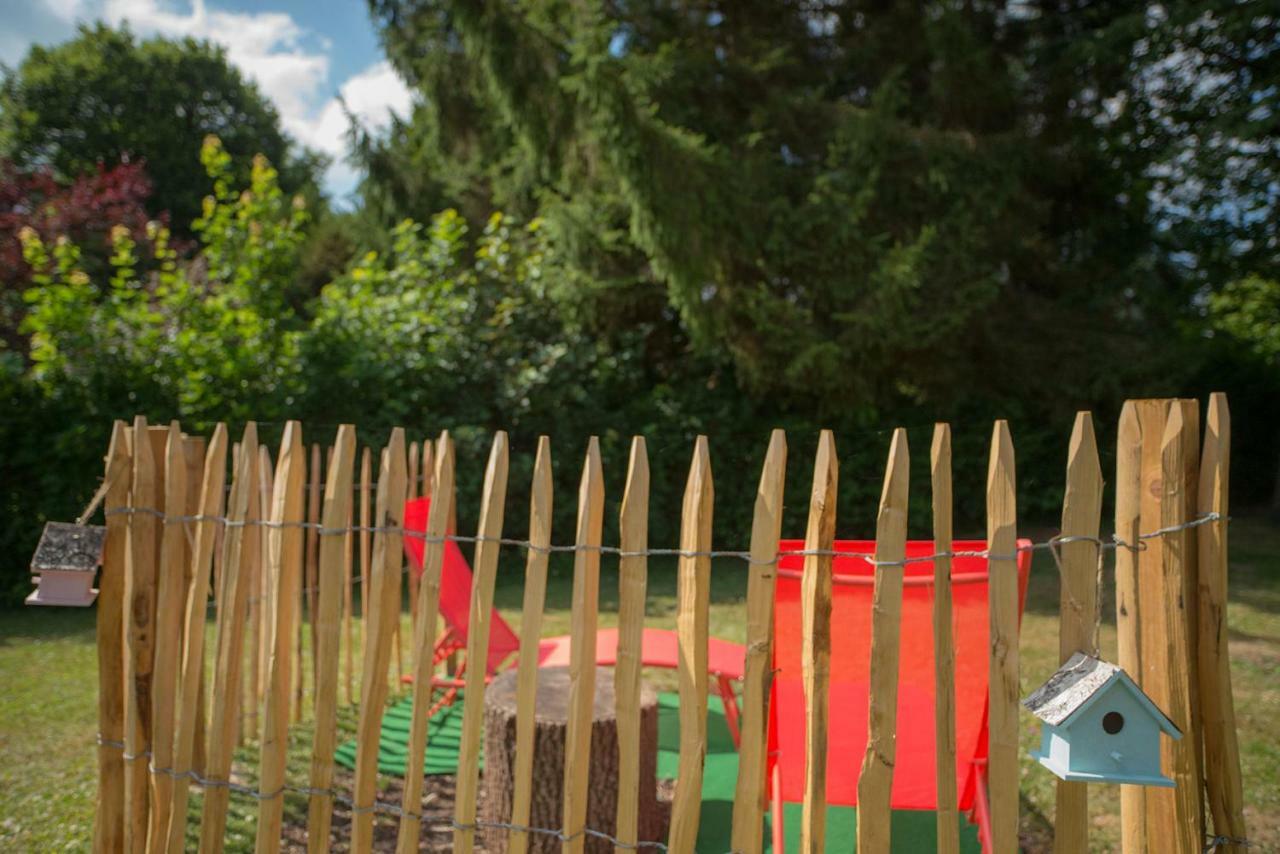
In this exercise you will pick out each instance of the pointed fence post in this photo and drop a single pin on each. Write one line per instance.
(693, 591)
(876, 781)
(815, 655)
(1078, 602)
(766, 529)
(1223, 788)
(333, 538)
(1178, 758)
(384, 612)
(283, 564)
(485, 566)
(229, 657)
(1133, 809)
(1002, 569)
(633, 579)
(408, 838)
(108, 831)
(944, 652)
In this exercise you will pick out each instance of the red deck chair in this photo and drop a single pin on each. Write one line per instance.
(915, 771)
(659, 648)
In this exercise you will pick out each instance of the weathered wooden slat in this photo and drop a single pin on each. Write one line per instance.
(815, 654)
(693, 588)
(1133, 810)
(535, 594)
(108, 831)
(314, 479)
(633, 579)
(485, 566)
(284, 560)
(366, 481)
(191, 686)
(408, 839)
(1223, 787)
(1002, 725)
(333, 537)
(234, 594)
(265, 590)
(415, 450)
(1178, 758)
(766, 528)
(252, 560)
(139, 636)
(944, 651)
(170, 599)
(384, 612)
(876, 780)
(1078, 603)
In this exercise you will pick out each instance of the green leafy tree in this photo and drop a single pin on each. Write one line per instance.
(106, 97)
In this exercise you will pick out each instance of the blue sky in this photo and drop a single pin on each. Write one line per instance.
(301, 53)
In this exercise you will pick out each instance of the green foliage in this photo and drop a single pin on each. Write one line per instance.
(1249, 310)
(105, 97)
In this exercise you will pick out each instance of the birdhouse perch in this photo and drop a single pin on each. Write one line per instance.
(1099, 727)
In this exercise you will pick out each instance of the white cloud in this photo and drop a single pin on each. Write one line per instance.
(65, 10)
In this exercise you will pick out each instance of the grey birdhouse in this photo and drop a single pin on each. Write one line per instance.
(1099, 727)
(65, 563)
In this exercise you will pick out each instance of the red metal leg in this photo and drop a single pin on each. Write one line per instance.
(730, 708)
(981, 807)
(775, 811)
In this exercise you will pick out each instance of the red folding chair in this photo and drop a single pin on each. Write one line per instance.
(659, 647)
(915, 769)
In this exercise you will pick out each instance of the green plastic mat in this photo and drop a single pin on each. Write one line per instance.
(912, 830)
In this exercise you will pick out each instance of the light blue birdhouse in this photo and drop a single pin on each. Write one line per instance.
(1098, 725)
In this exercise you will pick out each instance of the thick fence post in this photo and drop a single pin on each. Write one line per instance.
(876, 780)
(1223, 787)
(944, 653)
(633, 580)
(384, 612)
(333, 537)
(693, 592)
(139, 636)
(1002, 570)
(1178, 757)
(1078, 602)
(234, 594)
(284, 571)
(815, 654)
(485, 568)
(766, 528)
(108, 831)
(407, 840)
(170, 597)
(1128, 522)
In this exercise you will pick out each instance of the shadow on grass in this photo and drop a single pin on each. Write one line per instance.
(23, 625)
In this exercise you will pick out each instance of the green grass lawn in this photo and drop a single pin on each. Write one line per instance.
(48, 710)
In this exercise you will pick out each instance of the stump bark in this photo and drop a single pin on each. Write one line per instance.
(551, 719)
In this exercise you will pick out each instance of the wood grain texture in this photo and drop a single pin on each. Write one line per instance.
(485, 567)
(1078, 603)
(944, 650)
(333, 538)
(876, 780)
(582, 658)
(284, 560)
(139, 636)
(191, 686)
(408, 838)
(693, 583)
(1133, 809)
(535, 594)
(633, 580)
(766, 528)
(384, 613)
(1178, 758)
(170, 599)
(815, 654)
(1002, 731)
(229, 655)
(108, 829)
(1223, 788)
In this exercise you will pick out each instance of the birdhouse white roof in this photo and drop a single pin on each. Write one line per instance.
(1080, 680)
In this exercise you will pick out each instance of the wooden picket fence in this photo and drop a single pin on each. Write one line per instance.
(274, 550)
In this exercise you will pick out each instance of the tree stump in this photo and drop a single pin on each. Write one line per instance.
(550, 725)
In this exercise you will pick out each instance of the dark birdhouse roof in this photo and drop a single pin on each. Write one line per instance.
(1077, 683)
(69, 548)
